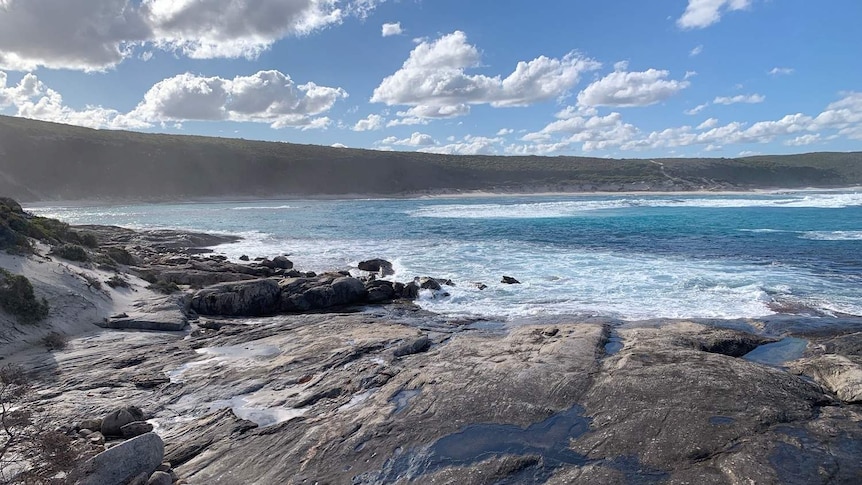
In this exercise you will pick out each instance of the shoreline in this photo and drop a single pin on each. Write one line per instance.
(434, 196)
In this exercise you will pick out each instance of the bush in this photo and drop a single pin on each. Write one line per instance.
(72, 252)
(89, 239)
(117, 281)
(166, 287)
(92, 281)
(17, 298)
(120, 256)
(55, 341)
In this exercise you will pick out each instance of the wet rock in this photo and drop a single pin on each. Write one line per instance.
(428, 283)
(135, 428)
(243, 258)
(248, 298)
(838, 373)
(724, 341)
(118, 418)
(281, 262)
(326, 291)
(410, 291)
(419, 345)
(480, 286)
(508, 280)
(379, 291)
(381, 266)
(122, 463)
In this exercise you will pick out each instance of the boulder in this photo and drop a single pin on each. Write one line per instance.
(282, 262)
(326, 291)
(243, 258)
(135, 428)
(416, 346)
(118, 418)
(508, 280)
(122, 463)
(480, 286)
(410, 291)
(247, 298)
(91, 424)
(380, 290)
(381, 266)
(428, 283)
(161, 313)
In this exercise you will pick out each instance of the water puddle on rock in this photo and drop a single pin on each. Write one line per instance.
(778, 353)
(614, 343)
(402, 399)
(244, 407)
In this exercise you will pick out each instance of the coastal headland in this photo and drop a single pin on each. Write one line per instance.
(257, 372)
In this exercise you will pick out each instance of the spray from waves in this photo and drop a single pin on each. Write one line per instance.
(832, 235)
(570, 208)
(263, 208)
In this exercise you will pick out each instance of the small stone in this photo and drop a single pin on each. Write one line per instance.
(243, 258)
(481, 286)
(510, 281)
(160, 478)
(136, 428)
(96, 438)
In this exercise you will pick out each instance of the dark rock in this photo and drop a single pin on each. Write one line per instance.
(122, 463)
(163, 313)
(380, 290)
(118, 418)
(428, 283)
(150, 381)
(481, 286)
(417, 346)
(724, 341)
(294, 274)
(326, 291)
(282, 262)
(160, 478)
(260, 258)
(510, 281)
(202, 278)
(243, 258)
(310, 274)
(247, 298)
(136, 428)
(120, 315)
(377, 266)
(91, 424)
(411, 291)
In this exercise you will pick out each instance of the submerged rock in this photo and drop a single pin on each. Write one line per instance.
(508, 280)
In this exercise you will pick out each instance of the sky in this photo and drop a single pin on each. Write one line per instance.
(599, 78)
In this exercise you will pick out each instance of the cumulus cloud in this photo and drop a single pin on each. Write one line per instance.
(75, 34)
(265, 97)
(741, 98)
(99, 34)
(31, 98)
(469, 145)
(392, 29)
(843, 118)
(628, 89)
(696, 51)
(505, 131)
(435, 83)
(371, 123)
(417, 139)
(703, 13)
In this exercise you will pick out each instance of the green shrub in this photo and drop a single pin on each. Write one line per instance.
(120, 255)
(72, 252)
(17, 298)
(89, 239)
(166, 287)
(55, 341)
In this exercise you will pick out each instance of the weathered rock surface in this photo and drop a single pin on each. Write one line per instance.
(122, 463)
(112, 423)
(320, 292)
(135, 428)
(840, 374)
(163, 313)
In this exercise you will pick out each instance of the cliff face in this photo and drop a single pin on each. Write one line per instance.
(47, 161)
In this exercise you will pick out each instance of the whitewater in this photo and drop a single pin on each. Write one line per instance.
(627, 257)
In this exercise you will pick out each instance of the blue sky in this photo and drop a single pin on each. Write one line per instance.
(611, 78)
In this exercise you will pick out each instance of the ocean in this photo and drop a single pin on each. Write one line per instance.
(624, 257)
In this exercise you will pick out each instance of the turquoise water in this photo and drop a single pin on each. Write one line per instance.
(626, 257)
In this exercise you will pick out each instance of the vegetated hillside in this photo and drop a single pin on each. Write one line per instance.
(48, 161)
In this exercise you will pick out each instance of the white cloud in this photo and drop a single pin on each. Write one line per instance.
(627, 89)
(434, 81)
(94, 35)
(782, 71)
(392, 29)
(690, 74)
(339, 145)
(505, 131)
(697, 109)
(710, 123)
(31, 98)
(696, 51)
(741, 98)
(265, 97)
(371, 123)
(469, 145)
(75, 34)
(417, 139)
(803, 140)
(703, 13)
